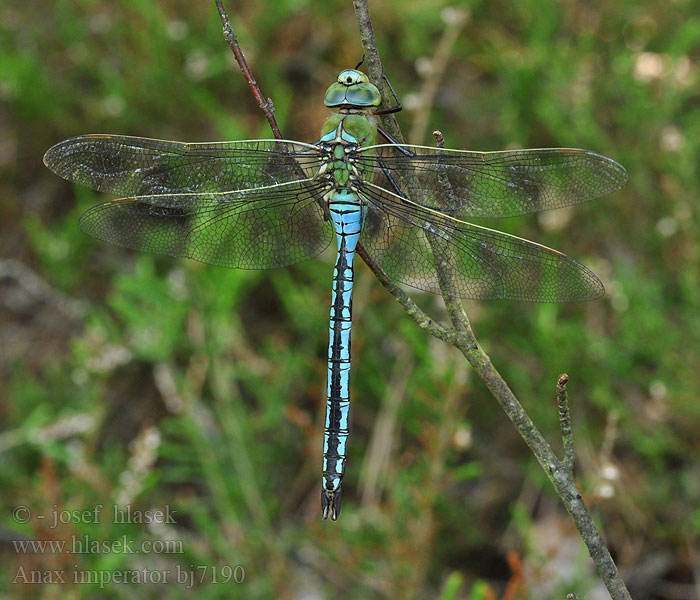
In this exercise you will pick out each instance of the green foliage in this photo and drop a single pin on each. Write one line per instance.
(152, 382)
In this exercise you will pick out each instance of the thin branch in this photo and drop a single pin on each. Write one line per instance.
(267, 106)
(462, 336)
(466, 343)
(374, 64)
(268, 109)
(565, 422)
(423, 320)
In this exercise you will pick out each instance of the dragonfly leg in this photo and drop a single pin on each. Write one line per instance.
(391, 109)
(391, 140)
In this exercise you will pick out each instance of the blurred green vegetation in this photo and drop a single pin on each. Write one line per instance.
(146, 381)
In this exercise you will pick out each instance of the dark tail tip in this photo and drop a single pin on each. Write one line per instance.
(330, 504)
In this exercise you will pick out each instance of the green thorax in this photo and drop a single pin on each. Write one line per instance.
(340, 133)
(352, 98)
(359, 130)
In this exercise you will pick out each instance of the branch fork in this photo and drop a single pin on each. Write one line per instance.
(461, 335)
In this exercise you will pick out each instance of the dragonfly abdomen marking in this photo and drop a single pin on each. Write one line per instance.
(341, 136)
(256, 204)
(346, 212)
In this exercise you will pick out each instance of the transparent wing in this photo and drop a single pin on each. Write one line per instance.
(125, 166)
(466, 184)
(249, 229)
(423, 248)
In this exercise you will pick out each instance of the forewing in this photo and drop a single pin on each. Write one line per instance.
(430, 251)
(249, 229)
(465, 184)
(124, 166)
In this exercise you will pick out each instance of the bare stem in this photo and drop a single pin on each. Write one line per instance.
(267, 106)
(464, 340)
(462, 336)
(374, 64)
(565, 422)
(423, 320)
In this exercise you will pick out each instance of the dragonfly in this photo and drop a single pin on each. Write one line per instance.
(266, 203)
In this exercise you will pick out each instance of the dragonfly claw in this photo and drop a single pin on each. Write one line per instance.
(330, 504)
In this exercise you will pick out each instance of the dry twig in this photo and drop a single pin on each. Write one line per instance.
(462, 337)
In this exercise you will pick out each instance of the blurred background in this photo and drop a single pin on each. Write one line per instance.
(144, 381)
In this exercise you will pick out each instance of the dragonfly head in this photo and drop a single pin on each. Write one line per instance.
(352, 89)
